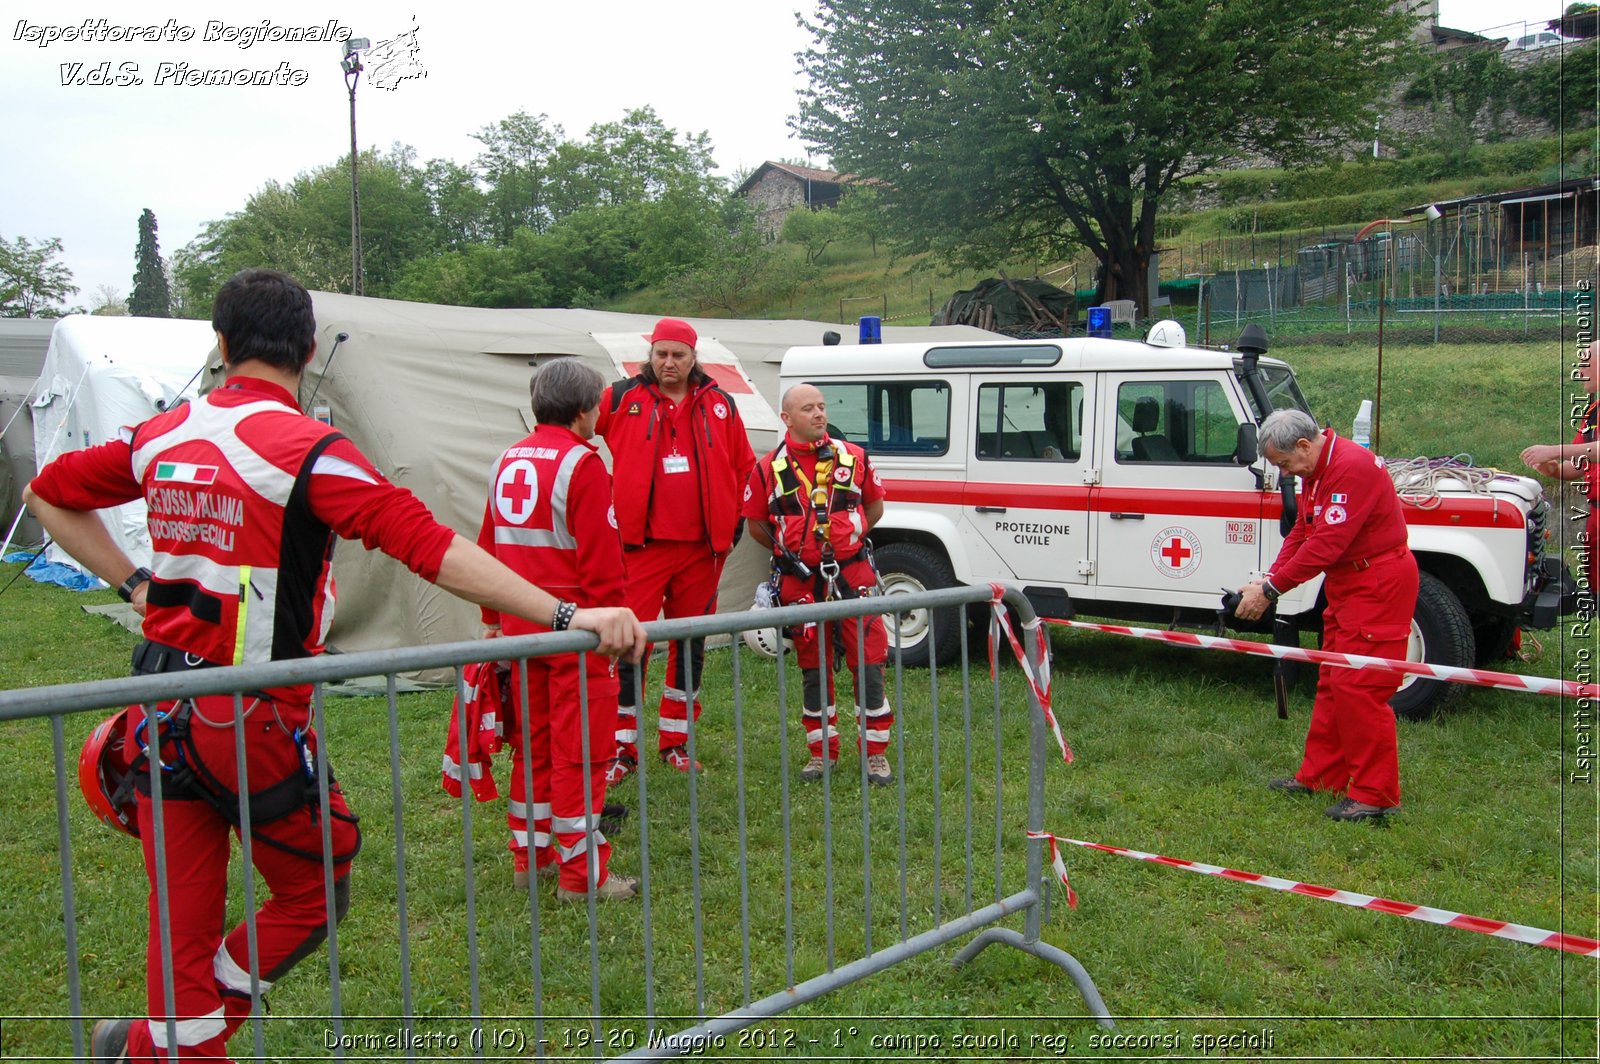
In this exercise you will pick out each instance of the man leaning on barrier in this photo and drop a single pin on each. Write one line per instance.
(245, 497)
(550, 514)
(812, 502)
(1349, 526)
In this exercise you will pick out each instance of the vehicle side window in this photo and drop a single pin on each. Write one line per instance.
(1030, 421)
(1175, 421)
(896, 417)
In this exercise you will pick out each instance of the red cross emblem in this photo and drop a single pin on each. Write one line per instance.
(1176, 553)
(515, 491)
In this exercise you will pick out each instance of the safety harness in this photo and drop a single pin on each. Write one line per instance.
(186, 777)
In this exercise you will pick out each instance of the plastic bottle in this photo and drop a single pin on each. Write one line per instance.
(1361, 431)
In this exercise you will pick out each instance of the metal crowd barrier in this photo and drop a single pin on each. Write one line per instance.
(772, 836)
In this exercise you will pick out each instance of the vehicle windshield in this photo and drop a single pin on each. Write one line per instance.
(1282, 390)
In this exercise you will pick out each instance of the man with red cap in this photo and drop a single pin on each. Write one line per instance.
(679, 459)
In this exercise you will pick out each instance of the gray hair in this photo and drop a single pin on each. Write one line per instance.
(564, 388)
(1283, 428)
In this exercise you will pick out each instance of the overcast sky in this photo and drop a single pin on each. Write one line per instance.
(82, 160)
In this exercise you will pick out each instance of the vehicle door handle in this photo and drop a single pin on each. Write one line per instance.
(991, 509)
(1126, 517)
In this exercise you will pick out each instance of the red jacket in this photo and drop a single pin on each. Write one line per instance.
(781, 494)
(245, 494)
(630, 423)
(1348, 512)
(549, 519)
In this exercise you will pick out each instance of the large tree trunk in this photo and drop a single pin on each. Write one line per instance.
(1121, 275)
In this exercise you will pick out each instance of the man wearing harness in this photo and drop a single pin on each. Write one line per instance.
(245, 497)
(1350, 527)
(812, 502)
(679, 458)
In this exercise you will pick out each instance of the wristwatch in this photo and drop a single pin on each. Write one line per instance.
(1271, 592)
(140, 575)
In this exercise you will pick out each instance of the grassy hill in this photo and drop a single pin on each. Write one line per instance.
(1222, 220)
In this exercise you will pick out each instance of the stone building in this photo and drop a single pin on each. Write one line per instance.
(775, 189)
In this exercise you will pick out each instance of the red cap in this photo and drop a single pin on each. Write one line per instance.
(674, 329)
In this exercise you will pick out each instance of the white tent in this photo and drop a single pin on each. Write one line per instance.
(102, 373)
(433, 394)
(23, 343)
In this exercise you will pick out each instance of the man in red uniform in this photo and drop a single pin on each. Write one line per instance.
(1579, 460)
(549, 514)
(1349, 526)
(812, 502)
(679, 459)
(245, 497)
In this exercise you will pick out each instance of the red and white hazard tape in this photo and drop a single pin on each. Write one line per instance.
(1037, 672)
(1509, 681)
(1533, 936)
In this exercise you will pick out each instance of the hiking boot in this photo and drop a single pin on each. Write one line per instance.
(108, 1042)
(1349, 809)
(615, 888)
(620, 768)
(813, 770)
(678, 758)
(612, 816)
(878, 772)
(1288, 785)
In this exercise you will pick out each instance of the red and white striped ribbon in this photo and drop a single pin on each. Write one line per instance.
(1509, 681)
(1533, 936)
(1059, 865)
(1038, 674)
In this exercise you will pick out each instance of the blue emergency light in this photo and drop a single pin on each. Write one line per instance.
(1100, 322)
(871, 329)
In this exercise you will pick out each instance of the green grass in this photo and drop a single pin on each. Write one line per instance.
(1172, 748)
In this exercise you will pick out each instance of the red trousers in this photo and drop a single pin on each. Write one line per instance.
(210, 972)
(866, 649)
(667, 578)
(1351, 745)
(555, 750)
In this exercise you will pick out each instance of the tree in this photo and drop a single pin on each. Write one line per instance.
(813, 230)
(1002, 130)
(108, 302)
(1564, 92)
(150, 297)
(303, 228)
(31, 285)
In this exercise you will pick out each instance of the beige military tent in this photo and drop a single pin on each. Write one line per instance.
(23, 343)
(433, 394)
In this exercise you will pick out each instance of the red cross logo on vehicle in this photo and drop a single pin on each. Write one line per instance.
(1175, 552)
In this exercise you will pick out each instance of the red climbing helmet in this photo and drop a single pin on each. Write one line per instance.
(105, 775)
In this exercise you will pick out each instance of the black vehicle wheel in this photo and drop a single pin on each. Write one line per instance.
(1441, 633)
(907, 568)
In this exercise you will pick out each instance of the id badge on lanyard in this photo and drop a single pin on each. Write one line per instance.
(675, 463)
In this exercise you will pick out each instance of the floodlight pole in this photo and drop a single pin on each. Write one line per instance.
(351, 65)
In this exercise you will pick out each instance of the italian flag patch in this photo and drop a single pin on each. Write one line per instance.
(186, 472)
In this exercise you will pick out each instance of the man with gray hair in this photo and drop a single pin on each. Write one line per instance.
(1350, 528)
(549, 512)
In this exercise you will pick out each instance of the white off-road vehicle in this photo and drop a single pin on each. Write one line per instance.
(1121, 479)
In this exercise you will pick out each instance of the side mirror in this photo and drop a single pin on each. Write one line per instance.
(1247, 449)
